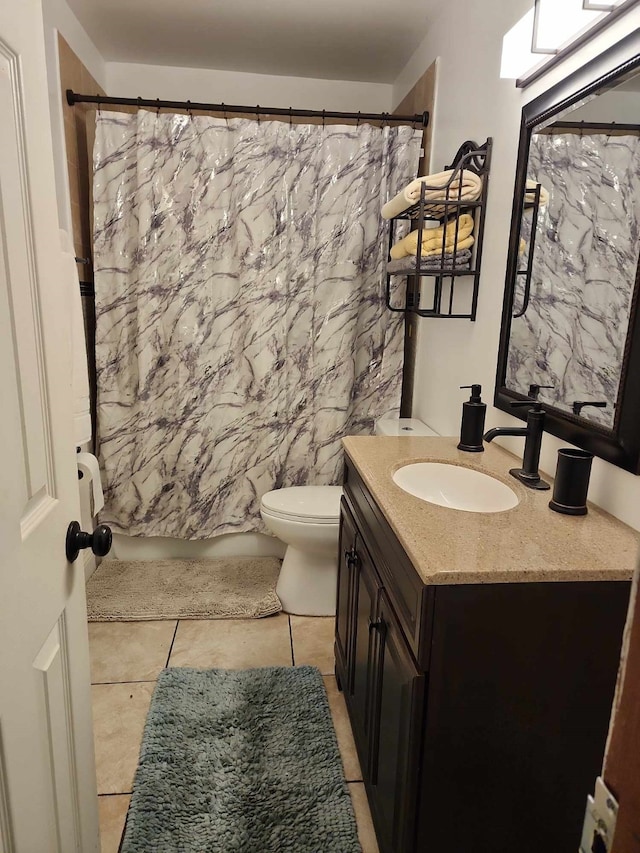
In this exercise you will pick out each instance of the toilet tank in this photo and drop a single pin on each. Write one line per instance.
(402, 426)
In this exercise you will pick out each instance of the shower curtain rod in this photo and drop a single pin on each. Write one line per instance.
(74, 98)
(595, 125)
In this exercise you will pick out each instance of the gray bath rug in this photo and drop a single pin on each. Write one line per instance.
(226, 588)
(240, 761)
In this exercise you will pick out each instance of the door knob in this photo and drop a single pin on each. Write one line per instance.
(99, 541)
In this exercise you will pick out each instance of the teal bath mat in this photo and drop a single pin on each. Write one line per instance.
(241, 760)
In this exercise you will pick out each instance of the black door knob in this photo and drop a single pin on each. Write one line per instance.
(99, 541)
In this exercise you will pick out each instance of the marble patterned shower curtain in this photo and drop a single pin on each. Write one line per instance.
(241, 324)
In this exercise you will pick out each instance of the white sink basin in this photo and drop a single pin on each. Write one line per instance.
(455, 487)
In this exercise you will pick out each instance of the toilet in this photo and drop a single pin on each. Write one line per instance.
(307, 520)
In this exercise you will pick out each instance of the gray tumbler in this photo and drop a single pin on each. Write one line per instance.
(572, 482)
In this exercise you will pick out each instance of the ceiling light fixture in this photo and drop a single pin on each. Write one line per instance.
(555, 22)
(553, 29)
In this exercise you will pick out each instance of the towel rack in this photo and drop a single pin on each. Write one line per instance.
(443, 288)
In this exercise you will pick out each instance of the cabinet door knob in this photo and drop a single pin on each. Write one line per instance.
(374, 624)
(351, 557)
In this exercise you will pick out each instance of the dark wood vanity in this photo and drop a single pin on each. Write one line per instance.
(480, 710)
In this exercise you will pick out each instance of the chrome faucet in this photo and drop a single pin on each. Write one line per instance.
(533, 432)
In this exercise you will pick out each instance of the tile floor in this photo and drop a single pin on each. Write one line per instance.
(126, 658)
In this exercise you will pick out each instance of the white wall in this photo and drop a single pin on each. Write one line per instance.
(621, 107)
(58, 15)
(472, 102)
(231, 87)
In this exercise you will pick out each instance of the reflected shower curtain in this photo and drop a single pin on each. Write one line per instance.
(573, 334)
(241, 323)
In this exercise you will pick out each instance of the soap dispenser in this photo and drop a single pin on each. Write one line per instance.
(472, 426)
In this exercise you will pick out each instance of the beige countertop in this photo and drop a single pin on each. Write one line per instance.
(527, 543)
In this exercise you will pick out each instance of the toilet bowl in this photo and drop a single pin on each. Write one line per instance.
(307, 520)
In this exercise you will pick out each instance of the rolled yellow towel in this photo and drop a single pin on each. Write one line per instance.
(432, 239)
(464, 243)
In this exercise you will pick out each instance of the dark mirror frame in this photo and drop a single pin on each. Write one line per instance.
(620, 445)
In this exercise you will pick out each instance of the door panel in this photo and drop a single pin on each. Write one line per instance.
(344, 605)
(367, 587)
(6, 835)
(35, 486)
(48, 796)
(53, 665)
(399, 690)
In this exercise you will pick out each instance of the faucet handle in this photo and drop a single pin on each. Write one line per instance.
(579, 405)
(534, 390)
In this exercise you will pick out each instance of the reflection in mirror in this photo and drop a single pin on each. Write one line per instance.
(578, 256)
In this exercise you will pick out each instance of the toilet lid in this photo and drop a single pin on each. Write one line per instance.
(309, 503)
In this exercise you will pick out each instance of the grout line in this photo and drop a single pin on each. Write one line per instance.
(122, 794)
(133, 681)
(173, 639)
(293, 659)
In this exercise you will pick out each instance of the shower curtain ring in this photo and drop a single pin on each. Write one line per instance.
(224, 113)
(258, 113)
(189, 110)
(358, 119)
(611, 129)
(323, 118)
(99, 104)
(139, 102)
(290, 117)
(157, 106)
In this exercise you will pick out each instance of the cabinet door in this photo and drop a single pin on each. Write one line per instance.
(366, 592)
(344, 607)
(398, 696)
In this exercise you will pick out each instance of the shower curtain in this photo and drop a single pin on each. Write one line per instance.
(241, 323)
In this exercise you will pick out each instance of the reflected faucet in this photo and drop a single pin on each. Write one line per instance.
(534, 390)
(579, 405)
(528, 474)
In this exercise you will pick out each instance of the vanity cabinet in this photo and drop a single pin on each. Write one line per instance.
(479, 711)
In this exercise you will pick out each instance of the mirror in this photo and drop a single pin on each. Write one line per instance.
(570, 336)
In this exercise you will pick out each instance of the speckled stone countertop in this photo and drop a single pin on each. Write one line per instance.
(527, 543)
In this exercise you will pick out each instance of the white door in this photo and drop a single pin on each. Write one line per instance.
(47, 777)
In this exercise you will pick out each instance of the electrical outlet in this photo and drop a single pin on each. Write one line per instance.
(599, 820)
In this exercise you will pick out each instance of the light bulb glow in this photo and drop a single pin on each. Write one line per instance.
(516, 48)
(557, 21)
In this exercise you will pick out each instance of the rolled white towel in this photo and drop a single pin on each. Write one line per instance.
(465, 186)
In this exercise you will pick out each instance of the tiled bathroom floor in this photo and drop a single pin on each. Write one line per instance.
(126, 658)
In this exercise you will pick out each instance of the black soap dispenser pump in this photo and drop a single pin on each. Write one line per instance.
(472, 427)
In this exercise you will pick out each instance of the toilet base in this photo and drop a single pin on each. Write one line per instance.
(308, 582)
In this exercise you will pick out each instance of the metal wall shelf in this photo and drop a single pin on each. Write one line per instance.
(431, 290)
